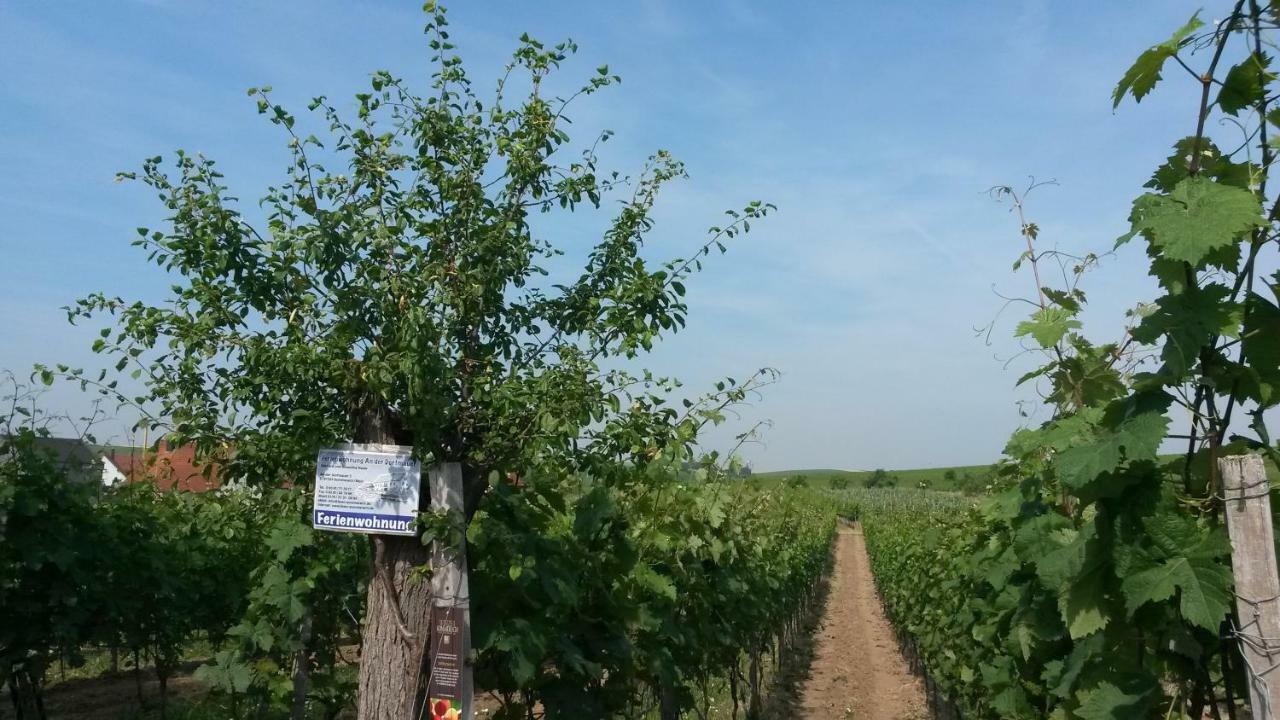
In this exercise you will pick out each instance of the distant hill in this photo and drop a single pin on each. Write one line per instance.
(959, 477)
(965, 478)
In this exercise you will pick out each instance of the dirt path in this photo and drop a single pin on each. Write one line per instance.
(857, 671)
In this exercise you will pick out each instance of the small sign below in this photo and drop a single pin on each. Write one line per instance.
(367, 489)
(448, 653)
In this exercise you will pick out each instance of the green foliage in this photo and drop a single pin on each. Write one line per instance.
(1145, 73)
(595, 600)
(129, 568)
(177, 567)
(879, 479)
(48, 558)
(304, 601)
(1096, 581)
(1049, 325)
(398, 272)
(1198, 217)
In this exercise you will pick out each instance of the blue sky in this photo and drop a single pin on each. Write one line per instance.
(876, 129)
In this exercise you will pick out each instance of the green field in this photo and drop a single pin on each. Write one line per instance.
(962, 477)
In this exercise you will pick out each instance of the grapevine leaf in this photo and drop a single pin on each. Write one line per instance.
(1204, 585)
(1008, 698)
(1042, 535)
(1184, 558)
(1088, 377)
(1108, 701)
(1188, 321)
(1056, 567)
(1069, 301)
(1077, 572)
(1212, 163)
(1034, 374)
(1196, 218)
(1048, 326)
(1245, 84)
(1261, 347)
(1136, 438)
(1062, 679)
(287, 537)
(1145, 72)
(1083, 604)
(1171, 274)
(1001, 568)
(653, 581)
(1073, 429)
(1175, 533)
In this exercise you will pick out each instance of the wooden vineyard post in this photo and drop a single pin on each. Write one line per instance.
(1247, 495)
(449, 686)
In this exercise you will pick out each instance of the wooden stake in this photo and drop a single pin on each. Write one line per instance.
(450, 662)
(1247, 495)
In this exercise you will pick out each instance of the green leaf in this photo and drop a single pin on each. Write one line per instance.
(1136, 438)
(1108, 701)
(1245, 84)
(1211, 162)
(1261, 347)
(1038, 372)
(1205, 587)
(1082, 604)
(287, 537)
(1196, 218)
(1183, 557)
(1145, 72)
(1188, 321)
(1062, 678)
(592, 512)
(1069, 301)
(1048, 326)
(655, 582)
(1043, 535)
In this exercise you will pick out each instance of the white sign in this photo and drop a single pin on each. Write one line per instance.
(367, 489)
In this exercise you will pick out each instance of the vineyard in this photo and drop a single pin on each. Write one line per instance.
(394, 289)
(1097, 581)
(601, 605)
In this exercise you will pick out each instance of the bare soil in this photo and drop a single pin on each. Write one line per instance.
(111, 696)
(858, 672)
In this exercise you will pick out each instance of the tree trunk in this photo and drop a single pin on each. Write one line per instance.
(395, 633)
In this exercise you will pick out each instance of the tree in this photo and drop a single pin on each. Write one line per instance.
(879, 478)
(49, 551)
(403, 297)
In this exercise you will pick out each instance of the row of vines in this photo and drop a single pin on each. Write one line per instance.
(157, 579)
(664, 594)
(1097, 583)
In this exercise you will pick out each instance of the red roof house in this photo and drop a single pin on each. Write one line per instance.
(168, 467)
